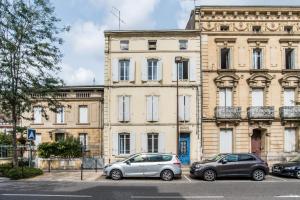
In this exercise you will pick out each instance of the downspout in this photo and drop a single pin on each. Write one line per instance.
(201, 89)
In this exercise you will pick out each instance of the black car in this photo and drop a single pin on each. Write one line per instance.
(231, 165)
(290, 168)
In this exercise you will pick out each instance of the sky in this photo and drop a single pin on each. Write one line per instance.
(83, 47)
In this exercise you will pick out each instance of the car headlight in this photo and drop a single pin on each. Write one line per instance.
(106, 166)
(198, 166)
(290, 168)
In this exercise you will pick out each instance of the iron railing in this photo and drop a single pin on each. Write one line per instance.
(261, 112)
(228, 112)
(290, 112)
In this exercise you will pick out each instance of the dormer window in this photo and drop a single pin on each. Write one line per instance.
(152, 44)
(124, 45)
(288, 29)
(256, 29)
(224, 28)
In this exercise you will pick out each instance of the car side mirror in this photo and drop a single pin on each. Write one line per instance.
(127, 162)
(224, 161)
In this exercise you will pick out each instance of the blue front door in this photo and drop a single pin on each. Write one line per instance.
(184, 148)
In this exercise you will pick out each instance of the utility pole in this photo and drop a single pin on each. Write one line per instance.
(178, 59)
(117, 13)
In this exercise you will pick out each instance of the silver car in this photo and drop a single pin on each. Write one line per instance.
(165, 166)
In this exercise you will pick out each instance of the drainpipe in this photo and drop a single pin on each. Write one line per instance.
(201, 90)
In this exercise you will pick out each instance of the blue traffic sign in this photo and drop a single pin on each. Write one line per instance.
(31, 133)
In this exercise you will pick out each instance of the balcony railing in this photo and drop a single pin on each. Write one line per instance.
(226, 112)
(290, 112)
(261, 112)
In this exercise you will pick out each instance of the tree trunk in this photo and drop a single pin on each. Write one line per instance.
(14, 134)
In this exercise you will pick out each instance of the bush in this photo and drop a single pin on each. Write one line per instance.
(5, 139)
(16, 173)
(45, 150)
(4, 168)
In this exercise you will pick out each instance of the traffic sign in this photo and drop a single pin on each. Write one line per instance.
(31, 133)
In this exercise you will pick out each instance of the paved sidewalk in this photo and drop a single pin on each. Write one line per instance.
(69, 176)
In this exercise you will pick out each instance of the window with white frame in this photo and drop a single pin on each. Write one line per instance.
(124, 70)
(290, 140)
(37, 115)
(152, 108)
(124, 143)
(184, 108)
(124, 108)
(152, 44)
(257, 58)
(152, 69)
(124, 45)
(225, 141)
(38, 139)
(83, 114)
(183, 44)
(225, 97)
(225, 58)
(83, 138)
(152, 142)
(289, 97)
(257, 97)
(60, 115)
(183, 70)
(289, 58)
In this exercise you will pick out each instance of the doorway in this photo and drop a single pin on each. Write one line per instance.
(256, 142)
(184, 148)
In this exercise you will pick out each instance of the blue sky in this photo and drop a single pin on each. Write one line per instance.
(83, 48)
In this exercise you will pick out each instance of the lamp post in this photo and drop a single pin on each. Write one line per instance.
(178, 59)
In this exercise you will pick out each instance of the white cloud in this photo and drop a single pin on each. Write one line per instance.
(184, 13)
(77, 76)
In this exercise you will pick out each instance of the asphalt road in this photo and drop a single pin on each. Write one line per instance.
(185, 188)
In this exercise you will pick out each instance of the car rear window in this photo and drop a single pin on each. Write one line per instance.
(246, 158)
(166, 157)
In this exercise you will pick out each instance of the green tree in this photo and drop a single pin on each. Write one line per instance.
(29, 59)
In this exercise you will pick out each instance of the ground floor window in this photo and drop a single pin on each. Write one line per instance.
(152, 142)
(59, 136)
(124, 143)
(83, 137)
(225, 141)
(290, 140)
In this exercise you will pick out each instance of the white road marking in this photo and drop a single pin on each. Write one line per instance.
(177, 197)
(275, 177)
(288, 196)
(187, 178)
(48, 195)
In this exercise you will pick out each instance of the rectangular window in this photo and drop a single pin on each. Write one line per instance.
(257, 58)
(152, 143)
(152, 69)
(83, 138)
(184, 108)
(37, 115)
(225, 58)
(124, 108)
(152, 108)
(183, 70)
(289, 97)
(256, 29)
(38, 139)
(152, 44)
(59, 136)
(83, 114)
(60, 116)
(124, 70)
(124, 45)
(288, 29)
(183, 44)
(257, 97)
(124, 143)
(289, 58)
(290, 140)
(225, 141)
(224, 28)
(225, 97)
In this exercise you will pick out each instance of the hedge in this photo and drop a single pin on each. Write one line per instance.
(28, 172)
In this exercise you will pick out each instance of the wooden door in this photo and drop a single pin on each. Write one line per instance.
(256, 142)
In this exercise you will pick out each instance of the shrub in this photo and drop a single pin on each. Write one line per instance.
(45, 150)
(5, 139)
(4, 168)
(16, 173)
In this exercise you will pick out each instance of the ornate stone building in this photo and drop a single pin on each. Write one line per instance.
(251, 78)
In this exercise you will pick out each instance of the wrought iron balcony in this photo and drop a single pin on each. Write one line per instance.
(261, 112)
(290, 112)
(227, 113)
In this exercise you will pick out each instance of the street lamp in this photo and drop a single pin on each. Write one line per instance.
(178, 59)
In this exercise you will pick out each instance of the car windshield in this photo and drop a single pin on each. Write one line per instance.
(296, 159)
(216, 158)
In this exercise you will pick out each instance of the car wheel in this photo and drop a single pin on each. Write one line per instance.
(167, 175)
(116, 174)
(209, 175)
(258, 175)
(298, 174)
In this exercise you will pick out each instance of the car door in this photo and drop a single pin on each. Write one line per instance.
(134, 166)
(229, 167)
(152, 166)
(245, 164)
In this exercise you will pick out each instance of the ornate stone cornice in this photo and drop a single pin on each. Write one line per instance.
(290, 80)
(262, 80)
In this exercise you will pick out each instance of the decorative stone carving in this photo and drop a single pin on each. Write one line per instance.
(241, 26)
(271, 26)
(208, 26)
(290, 80)
(227, 79)
(260, 80)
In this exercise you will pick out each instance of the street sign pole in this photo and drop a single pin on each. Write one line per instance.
(31, 134)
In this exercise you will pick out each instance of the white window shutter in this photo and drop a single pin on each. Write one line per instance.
(38, 139)
(149, 108)
(161, 143)
(159, 70)
(192, 69)
(115, 144)
(132, 143)
(257, 97)
(144, 143)
(293, 59)
(121, 108)
(289, 97)
(87, 141)
(262, 59)
(225, 141)
(115, 70)
(37, 115)
(63, 115)
(222, 96)
(127, 109)
(131, 70)
(228, 97)
(289, 140)
(181, 108)
(83, 114)
(174, 71)
(144, 69)
(187, 108)
(155, 108)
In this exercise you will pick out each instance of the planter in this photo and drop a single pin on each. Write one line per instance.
(59, 163)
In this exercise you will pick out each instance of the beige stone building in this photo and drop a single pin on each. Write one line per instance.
(251, 76)
(140, 93)
(80, 117)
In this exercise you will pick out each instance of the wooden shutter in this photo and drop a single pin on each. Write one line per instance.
(132, 143)
(144, 69)
(127, 108)
(161, 143)
(131, 70)
(149, 108)
(174, 71)
(222, 97)
(225, 141)
(83, 114)
(289, 97)
(121, 108)
(144, 142)
(181, 108)
(115, 70)
(115, 144)
(159, 70)
(187, 108)
(37, 115)
(192, 69)
(155, 108)
(293, 59)
(228, 97)
(257, 97)
(289, 140)
(38, 139)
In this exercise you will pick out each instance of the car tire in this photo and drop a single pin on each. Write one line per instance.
(116, 174)
(298, 174)
(167, 175)
(209, 175)
(258, 175)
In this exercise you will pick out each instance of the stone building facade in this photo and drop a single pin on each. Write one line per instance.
(140, 109)
(251, 78)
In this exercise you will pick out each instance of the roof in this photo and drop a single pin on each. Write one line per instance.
(249, 7)
(82, 87)
(150, 32)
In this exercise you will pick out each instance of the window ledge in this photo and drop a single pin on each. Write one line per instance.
(37, 124)
(258, 70)
(82, 123)
(226, 70)
(290, 70)
(59, 123)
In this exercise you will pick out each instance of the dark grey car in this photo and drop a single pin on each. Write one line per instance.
(231, 165)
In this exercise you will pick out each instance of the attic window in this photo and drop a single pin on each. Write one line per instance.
(152, 44)
(124, 44)
(288, 29)
(224, 28)
(256, 29)
(183, 44)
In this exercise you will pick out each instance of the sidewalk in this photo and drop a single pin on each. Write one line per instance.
(69, 176)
